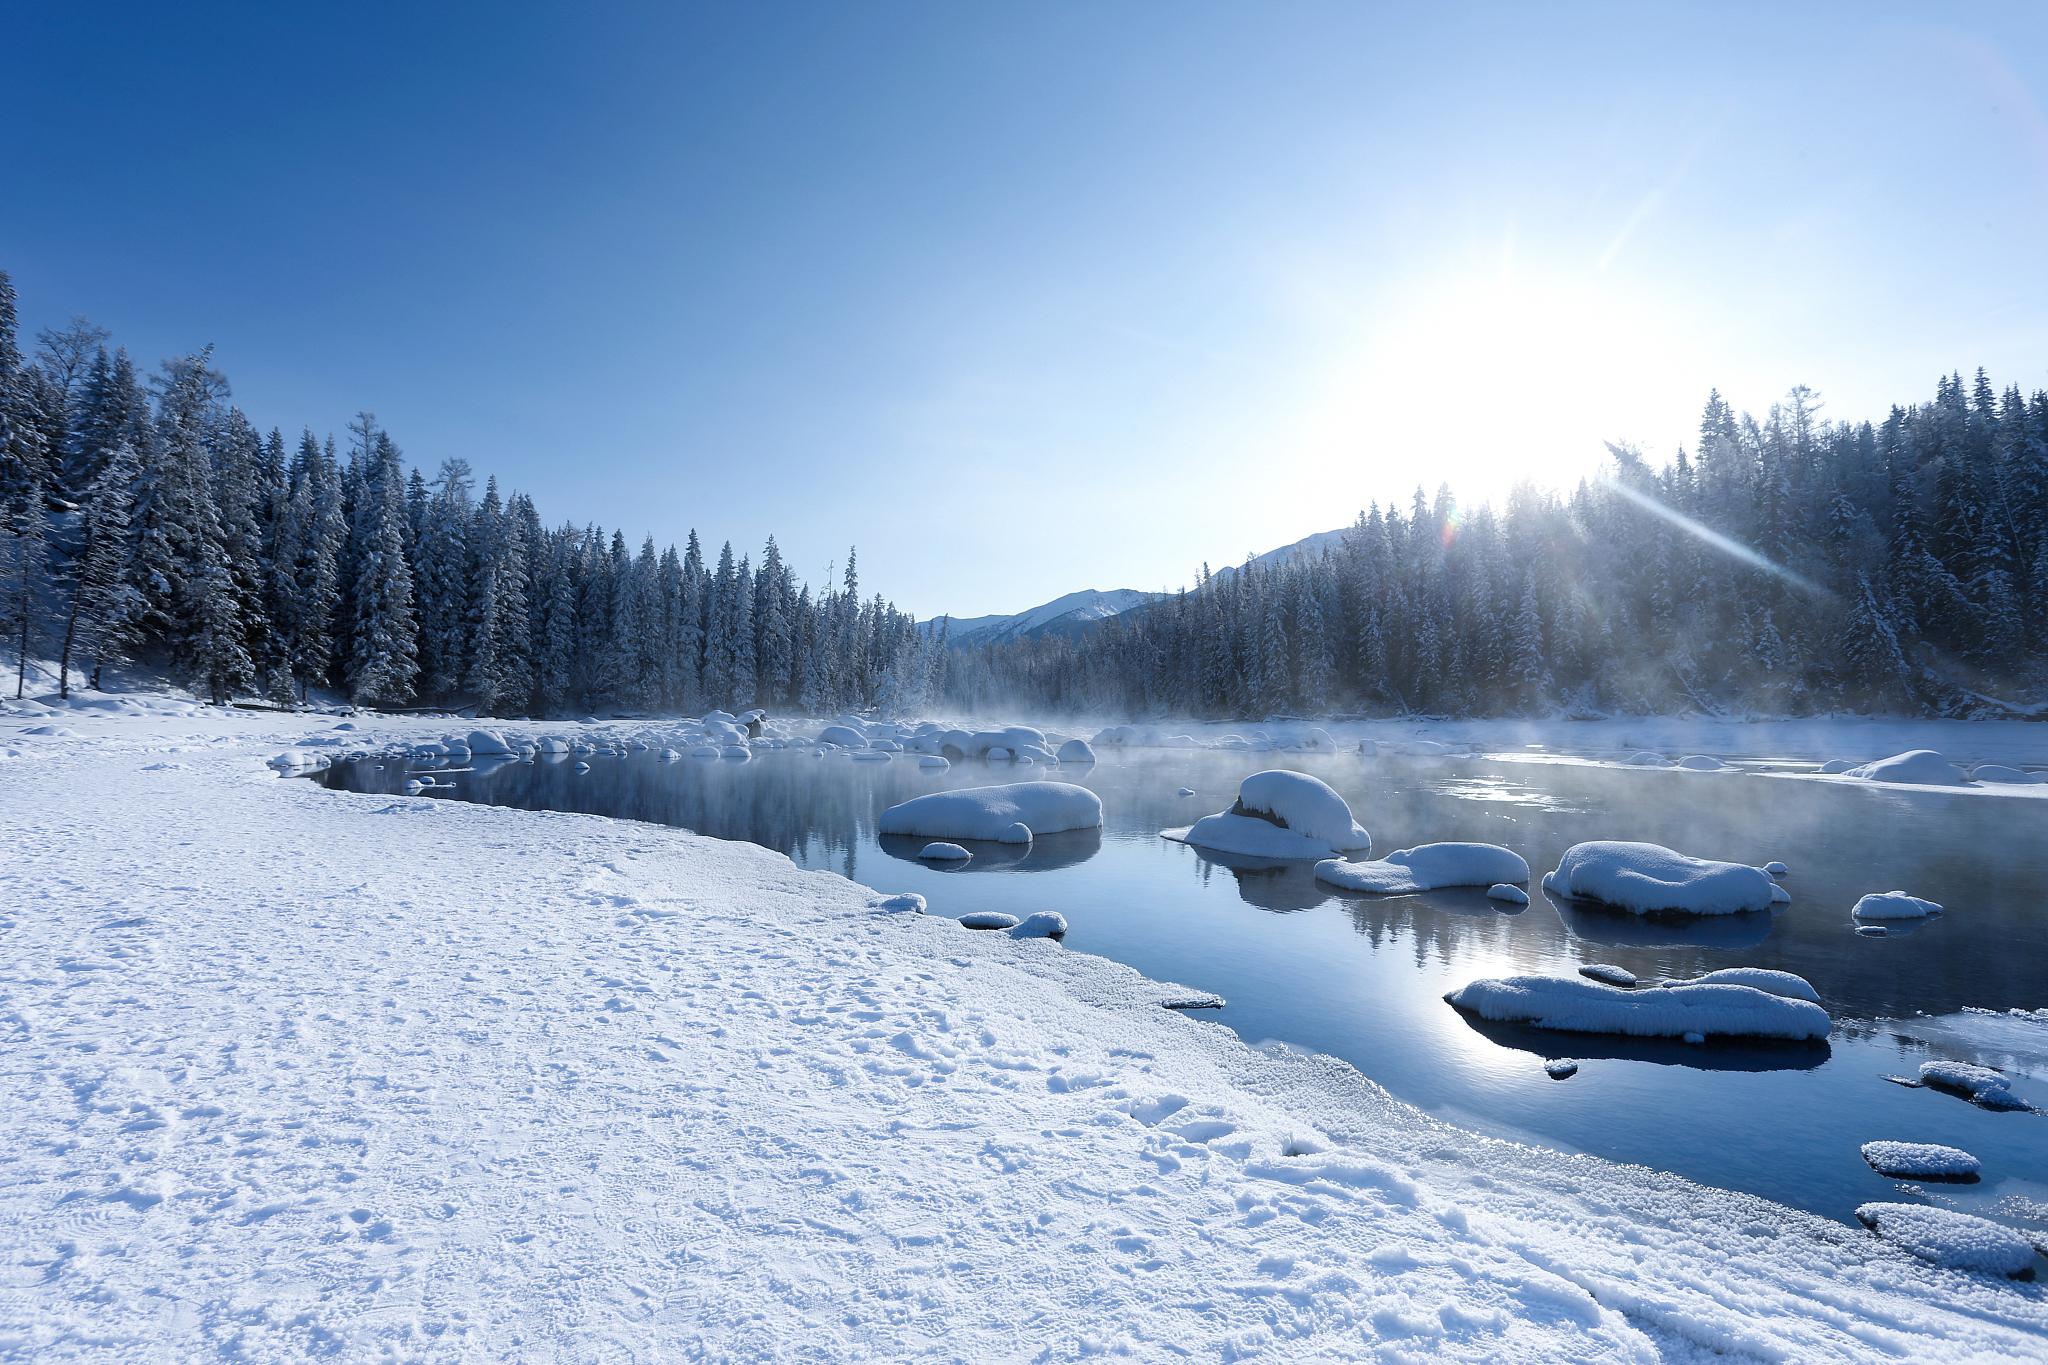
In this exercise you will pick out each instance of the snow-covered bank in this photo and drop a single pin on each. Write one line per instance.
(290, 1071)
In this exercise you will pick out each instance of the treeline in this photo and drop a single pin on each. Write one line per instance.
(158, 522)
(1787, 566)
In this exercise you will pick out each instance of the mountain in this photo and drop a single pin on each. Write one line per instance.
(1308, 547)
(1069, 615)
(1078, 612)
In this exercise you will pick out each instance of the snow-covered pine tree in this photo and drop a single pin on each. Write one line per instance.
(384, 635)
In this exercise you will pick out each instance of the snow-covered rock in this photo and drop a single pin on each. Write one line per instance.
(1576, 1006)
(1836, 765)
(552, 744)
(1076, 751)
(1648, 879)
(908, 901)
(1918, 767)
(1647, 758)
(1609, 974)
(844, 736)
(941, 852)
(1015, 833)
(1786, 984)
(1428, 867)
(1561, 1068)
(1978, 1084)
(1920, 1161)
(871, 756)
(1999, 773)
(1185, 791)
(488, 744)
(1702, 763)
(1042, 924)
(989, 812)
(1507, 894)
(1958, 1241)
(1879, 905)
(1280, 815)
(934, 762)
(1775, 869)
(987, 919)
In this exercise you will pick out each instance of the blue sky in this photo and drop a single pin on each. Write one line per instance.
(1032, 298)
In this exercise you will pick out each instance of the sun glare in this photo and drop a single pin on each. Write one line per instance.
(1483, 382)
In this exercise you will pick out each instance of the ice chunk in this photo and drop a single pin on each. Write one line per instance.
(990, 812)
(1608, 973)
(1076, 751)
(1893, 905)
(1506, 894)
(988, 919)
(1978, 1084)
(1920, 767)
(1043, 924)
(1650, 879)
(1958, 1241)
(1787, 984)
(944, 853)
(1280, 815)
(1427, 868)
(1920, 1161)
(1574, 1006)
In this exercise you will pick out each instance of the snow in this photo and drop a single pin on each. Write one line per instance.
(1507, 894)
(1775, 869)
(1786, 984)
(1702, 763)
(484, 1083)
(1561, 1068)
(1651, 879)
(1016, 833)
(1573, 1005)
(992, 812)
(1041, 924)
(1915, 767)
(1998, 772)
(845, 736)
(934, 763)
(1957, 1241)
(1280, 815)
(1920, 1160)
(1427, 868)
(1076, 751)
(1893, 905)
(988, 919)
(1979, 1084)
(944, 853)
(488, 744)
(1646, 758)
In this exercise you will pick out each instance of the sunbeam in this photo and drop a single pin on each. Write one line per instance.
(1733, 548)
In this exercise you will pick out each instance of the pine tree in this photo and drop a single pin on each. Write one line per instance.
(384, 639)
(102, 607)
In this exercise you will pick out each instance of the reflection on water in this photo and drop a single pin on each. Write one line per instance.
(1363, 978)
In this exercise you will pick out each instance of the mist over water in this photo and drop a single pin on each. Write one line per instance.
(1362, 978)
